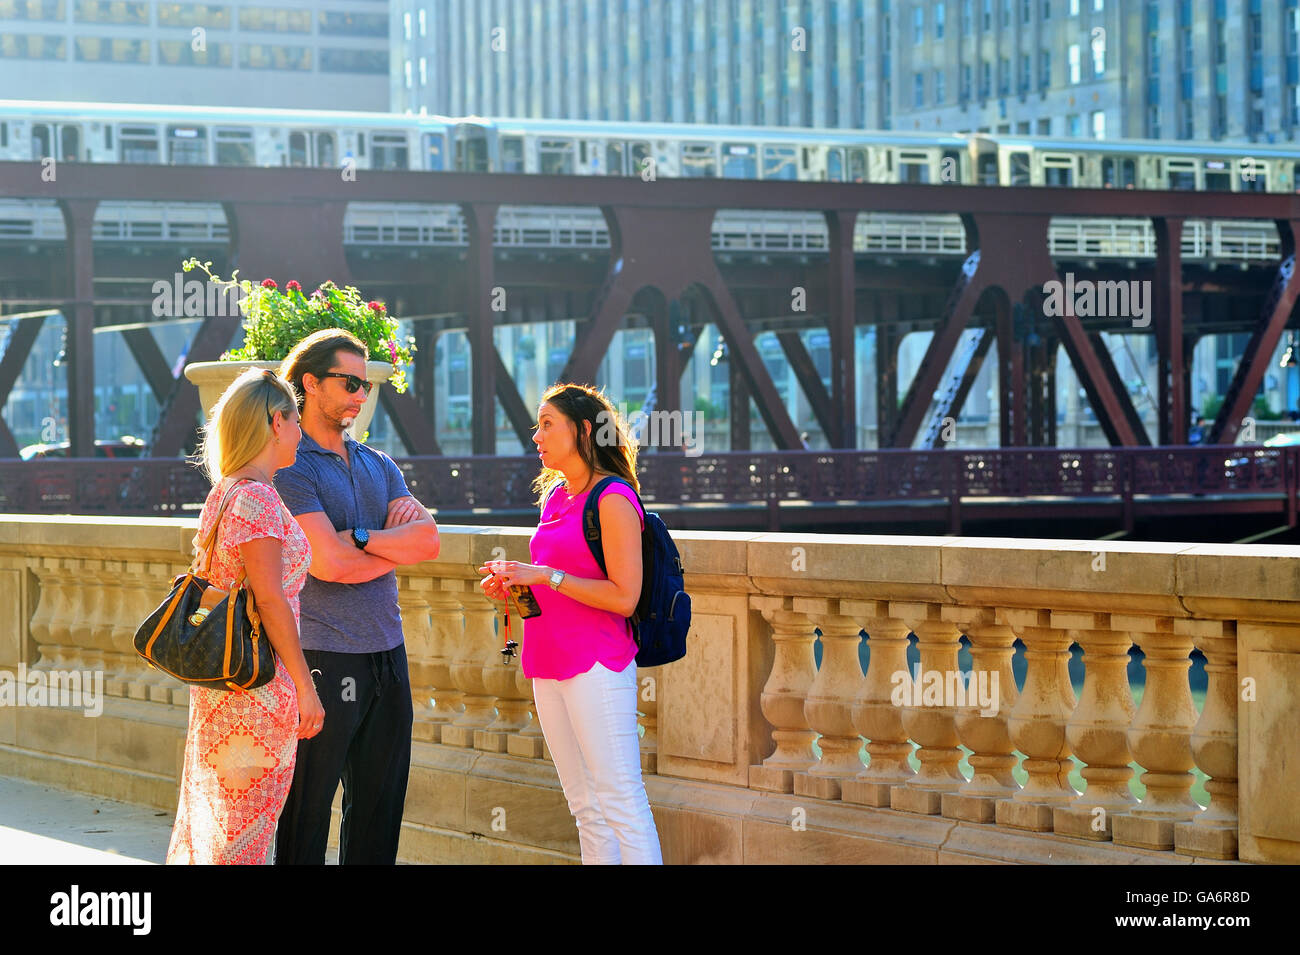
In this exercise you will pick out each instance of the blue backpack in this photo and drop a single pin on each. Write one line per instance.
(663, 614)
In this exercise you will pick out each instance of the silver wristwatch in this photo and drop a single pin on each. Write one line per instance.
(557, 578)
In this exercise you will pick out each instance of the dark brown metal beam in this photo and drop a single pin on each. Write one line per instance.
(1167, 313)
(814, 389)
(508, 394)
(479, 294)
(177, 418)
(1107, 365)
(1258, 353)
(78, 220)
(413, 427)
(144, 349)
(841, 323)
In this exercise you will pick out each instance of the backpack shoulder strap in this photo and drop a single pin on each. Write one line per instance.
(591, 518)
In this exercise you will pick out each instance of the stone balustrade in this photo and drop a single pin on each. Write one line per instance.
(887, 750)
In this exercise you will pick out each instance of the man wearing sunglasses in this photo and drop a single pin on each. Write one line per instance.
(362, 523)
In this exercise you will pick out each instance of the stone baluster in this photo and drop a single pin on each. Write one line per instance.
(499, 679)
(1098, 729)
(477, 643)
(60, 587)
(930, 710)
(446, 630)
(793, 671)
(529, 741)
(985, 729)
(1038, 722)
(1161, 736)
(647, 703)
(874, 714)
(121, 657)
(829, 704)
(147, 585)
(418, 631)
(1213, 834)
(94, 642)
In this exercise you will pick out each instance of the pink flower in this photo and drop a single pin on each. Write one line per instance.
(376, 307)
(293, 285)
(268, 283)
(392, 350)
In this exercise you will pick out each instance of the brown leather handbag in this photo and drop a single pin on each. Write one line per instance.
(206, 636)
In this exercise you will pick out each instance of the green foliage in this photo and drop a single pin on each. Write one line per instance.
(275, 320)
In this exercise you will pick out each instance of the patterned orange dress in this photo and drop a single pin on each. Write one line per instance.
(240, 747)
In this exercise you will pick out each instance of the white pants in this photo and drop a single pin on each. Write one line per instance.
(589, 722)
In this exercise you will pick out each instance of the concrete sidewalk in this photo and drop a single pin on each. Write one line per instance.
(40, 825)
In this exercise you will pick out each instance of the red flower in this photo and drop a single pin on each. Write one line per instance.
(268, 283)
(293, 285)
(376, 307)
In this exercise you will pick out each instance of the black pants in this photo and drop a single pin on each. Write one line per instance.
(366, 742)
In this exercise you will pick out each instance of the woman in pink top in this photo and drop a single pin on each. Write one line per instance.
(580, 652)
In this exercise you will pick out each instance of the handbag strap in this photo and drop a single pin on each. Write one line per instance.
(210, 544)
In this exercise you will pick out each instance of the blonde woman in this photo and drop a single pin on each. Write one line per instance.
(240, 747)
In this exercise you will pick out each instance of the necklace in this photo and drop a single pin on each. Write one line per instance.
(570, 498)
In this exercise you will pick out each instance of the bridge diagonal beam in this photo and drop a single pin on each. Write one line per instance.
(1107, 365)
(1263, 341)
(23, 333)
(409, 421)
(810, 381)
(508, 394)
(178, 417)
(957, 313)
(1106, 399)
(144, 349)
(951, 402)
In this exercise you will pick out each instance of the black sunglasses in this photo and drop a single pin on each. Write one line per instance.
(352, 382)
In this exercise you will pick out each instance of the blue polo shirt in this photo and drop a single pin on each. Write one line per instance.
(346, 618)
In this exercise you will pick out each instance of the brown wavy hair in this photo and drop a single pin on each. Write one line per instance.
(609, 447)
(316, 354)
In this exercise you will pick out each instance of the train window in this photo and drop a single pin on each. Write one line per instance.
(950, 167)
(108, 136)
(138, 144)
(471, 150)
(512, 154)
(913, 167)
(234, 147)
(1181, 173)
(40, 141)
(4, 135)
(187, 146)
(298, 149)
(857, 165)
(555, 157)
(1118, 173)
(433, 147)
(1058, 170)
(641, 156)
(1254, 176)
(614, 159)
(1217, 176)
(389, 151)
(988, 169)
(739, 161)
(325, 149)
(779, 162)
(69, 142)
(835, 165)
(1018, 169)
(699, 161)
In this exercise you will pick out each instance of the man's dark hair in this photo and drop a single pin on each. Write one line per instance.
(315, 355)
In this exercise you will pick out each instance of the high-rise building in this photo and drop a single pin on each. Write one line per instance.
(1159, 69)
(300, 54)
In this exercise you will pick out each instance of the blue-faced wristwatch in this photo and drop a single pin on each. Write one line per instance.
(360, 537)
